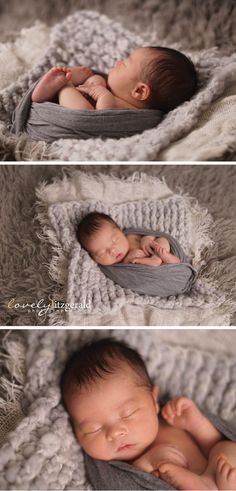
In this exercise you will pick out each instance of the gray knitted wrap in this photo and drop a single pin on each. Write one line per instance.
(87, 285)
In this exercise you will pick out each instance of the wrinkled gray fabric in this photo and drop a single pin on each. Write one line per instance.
(119, 475)
(49, 121)
(161, 281)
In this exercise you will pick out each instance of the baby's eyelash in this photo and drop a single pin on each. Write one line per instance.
(130, 414)
(91, 432)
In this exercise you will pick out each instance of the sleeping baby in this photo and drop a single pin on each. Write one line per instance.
(149, 78)
(107, 244)
(113, 406)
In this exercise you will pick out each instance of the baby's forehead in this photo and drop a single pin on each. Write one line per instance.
(107, 228)
(120, 371)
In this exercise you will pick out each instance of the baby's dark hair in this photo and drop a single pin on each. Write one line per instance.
(90, 224)
(96, 359)
(171, 76)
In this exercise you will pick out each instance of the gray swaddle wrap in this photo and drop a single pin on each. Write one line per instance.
(161, 281)
(120, 475)
(49, 121)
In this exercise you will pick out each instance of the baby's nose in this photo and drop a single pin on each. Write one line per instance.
(117, 63)
(116, 432)
(113, 251)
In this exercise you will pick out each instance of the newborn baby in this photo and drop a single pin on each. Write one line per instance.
(113, 406)
(151, 77)
(107, 244)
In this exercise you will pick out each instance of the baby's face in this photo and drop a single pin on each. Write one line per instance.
(114, 418)
(108, 245)
(128, 72)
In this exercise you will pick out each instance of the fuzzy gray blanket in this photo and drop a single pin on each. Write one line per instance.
(41, 453)
(89, 38)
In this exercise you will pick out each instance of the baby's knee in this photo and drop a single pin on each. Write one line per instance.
(163, 242)
(223, 447)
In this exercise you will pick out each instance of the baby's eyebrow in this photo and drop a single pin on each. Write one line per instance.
(124, 403)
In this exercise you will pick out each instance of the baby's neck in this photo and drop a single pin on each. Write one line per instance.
(123, 103)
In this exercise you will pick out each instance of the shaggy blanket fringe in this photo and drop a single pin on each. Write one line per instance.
(12, 379)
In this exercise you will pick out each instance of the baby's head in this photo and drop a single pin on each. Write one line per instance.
(100, 235)
(111, 400)
(154, 78)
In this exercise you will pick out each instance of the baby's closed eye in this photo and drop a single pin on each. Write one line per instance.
(92, 432)
(129, 414)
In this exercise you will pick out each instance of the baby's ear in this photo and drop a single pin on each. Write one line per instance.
(141, 91)
(155, 392)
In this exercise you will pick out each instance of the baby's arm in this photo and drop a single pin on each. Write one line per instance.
(79, 74)
(184, 414)
(138, 256)
(160, 454)
(150, 244)
(100, 94)
(159, 246)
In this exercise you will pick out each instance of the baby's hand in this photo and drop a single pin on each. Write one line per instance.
(181, 413)
(80, 74)
(96, 80)
(148, 245)
(134, 254)
(94, 91)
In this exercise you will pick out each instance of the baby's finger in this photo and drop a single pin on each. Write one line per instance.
(155, 473)
(181, 404)
(167, 412)
(150, 249)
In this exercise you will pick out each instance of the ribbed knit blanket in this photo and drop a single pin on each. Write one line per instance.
(42, 452)
(92, 39)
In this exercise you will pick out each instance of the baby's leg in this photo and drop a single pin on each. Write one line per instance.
(219, 474)
(163, 251)
(148, 261)
(71, 98)
(50, 84)
(182, 478)
(222, 464)
(163, 242)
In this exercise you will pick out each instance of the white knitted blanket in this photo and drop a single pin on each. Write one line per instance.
(92, 39)
(42, 453)
(129, 202)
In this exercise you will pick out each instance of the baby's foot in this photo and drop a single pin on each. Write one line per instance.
(166, 256)
(225, 474)
(182, 478)
(51, 83)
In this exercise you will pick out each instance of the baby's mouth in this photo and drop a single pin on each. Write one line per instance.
(119, 256)
(126, 446)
